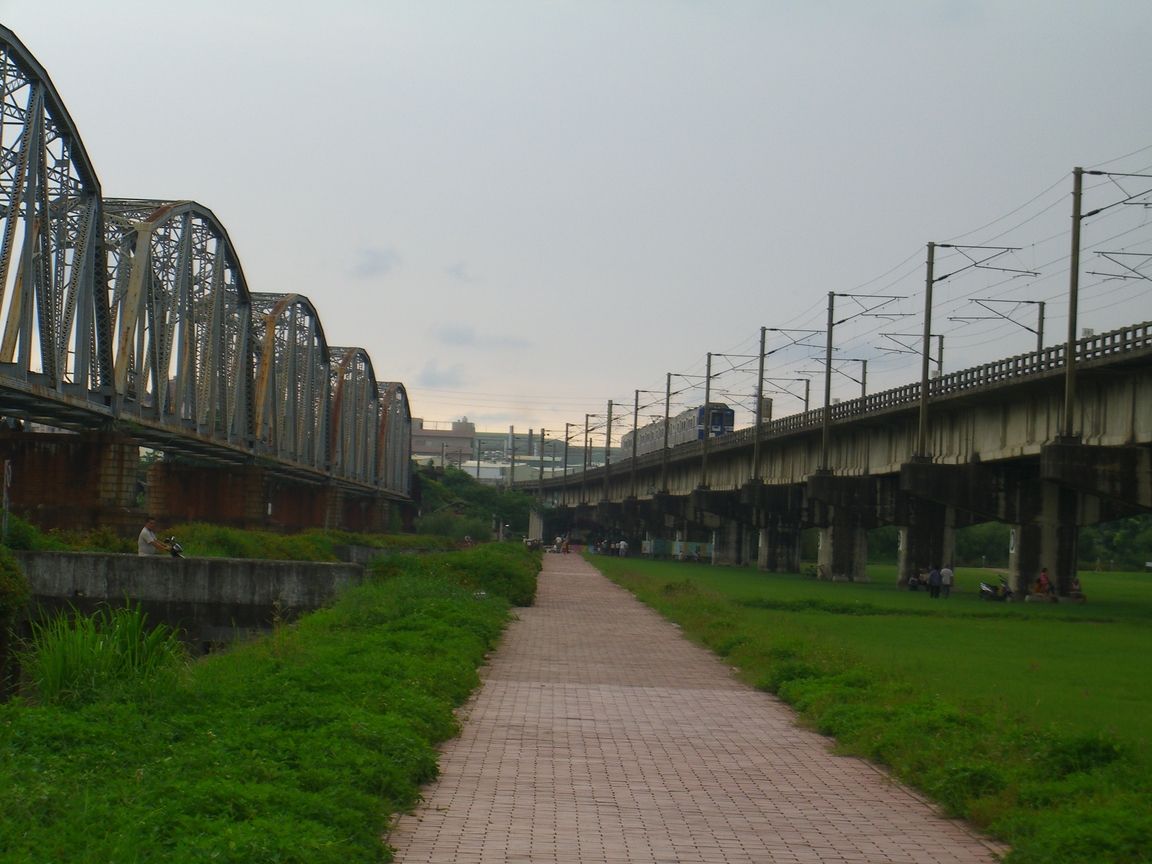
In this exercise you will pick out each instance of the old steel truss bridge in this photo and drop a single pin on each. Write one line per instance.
(135, 315)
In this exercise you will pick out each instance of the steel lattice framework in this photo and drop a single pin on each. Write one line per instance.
(135, 314)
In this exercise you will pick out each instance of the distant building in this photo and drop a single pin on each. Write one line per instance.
(452, 439)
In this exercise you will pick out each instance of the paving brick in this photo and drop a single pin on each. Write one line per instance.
(603, 735)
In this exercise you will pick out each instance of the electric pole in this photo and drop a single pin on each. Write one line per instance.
(635, 428)
(925, 348)
(584, 472)
(664, 455)
(759, 409)
(826, 417)
(607, 451)
(707, 423)
(511, 455)
(566, 425)
(541, 487)
(1073, 302)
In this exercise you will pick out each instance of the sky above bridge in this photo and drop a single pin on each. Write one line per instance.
(522, 210)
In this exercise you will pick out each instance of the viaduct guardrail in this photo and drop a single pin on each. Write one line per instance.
(1093, 353)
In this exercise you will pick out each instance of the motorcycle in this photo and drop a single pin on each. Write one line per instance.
(1000, 594)
(174, 548)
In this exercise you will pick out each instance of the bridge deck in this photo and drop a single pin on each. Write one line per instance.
(602, 735)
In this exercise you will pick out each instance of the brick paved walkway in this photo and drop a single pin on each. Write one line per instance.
(602, 735)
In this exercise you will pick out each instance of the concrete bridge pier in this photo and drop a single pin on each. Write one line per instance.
(843, 554)
(779, 550)
(778, 512)
(732, 543)
(927, 539)
(1049, 542)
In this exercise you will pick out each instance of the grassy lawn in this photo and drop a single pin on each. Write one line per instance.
(1032, 720)
(1087, 667)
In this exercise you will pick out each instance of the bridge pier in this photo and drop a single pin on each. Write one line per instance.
(1050, 541)
(247, 496)
(843, 555)
(731, 544)
(74, 481)
(779, 550)
(927, 539)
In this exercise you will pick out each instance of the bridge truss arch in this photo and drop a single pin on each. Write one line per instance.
(292, 386)
(135, 314)
(395, 438)
(180, 314)
(53, 323)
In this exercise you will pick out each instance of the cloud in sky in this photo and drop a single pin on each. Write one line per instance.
(434, 375)
(463, 336)
(458, 271)
(372, 262)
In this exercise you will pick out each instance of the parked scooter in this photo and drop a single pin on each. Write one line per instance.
(174, 548)
(990, 592)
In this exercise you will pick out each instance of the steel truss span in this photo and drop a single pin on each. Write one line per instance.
(135, 314)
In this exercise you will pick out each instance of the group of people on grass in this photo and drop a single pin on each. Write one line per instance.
(1046, 588)
(938, 581)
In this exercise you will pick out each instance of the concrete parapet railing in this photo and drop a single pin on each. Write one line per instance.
(207, 599)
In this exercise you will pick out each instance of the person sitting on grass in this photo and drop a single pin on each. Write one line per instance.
(1075, 591)
(915, 579)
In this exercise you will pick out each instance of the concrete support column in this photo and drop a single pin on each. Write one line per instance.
(1051, 542)
(779, 550)
(926, 539)
(843, 555)
(728, 544)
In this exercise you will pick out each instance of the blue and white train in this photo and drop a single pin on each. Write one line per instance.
(684, 427)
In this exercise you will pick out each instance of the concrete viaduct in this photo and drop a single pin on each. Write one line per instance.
(995, 453)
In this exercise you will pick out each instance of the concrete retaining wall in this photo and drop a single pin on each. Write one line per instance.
(207, 599)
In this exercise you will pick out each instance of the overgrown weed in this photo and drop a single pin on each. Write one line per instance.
(73, 658)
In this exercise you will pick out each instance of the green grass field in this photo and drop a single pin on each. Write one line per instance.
(1088, 667)
(1032, 720)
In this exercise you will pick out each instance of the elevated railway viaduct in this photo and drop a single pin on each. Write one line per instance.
(995, 453)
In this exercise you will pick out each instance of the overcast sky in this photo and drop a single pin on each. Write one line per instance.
(522, 210)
